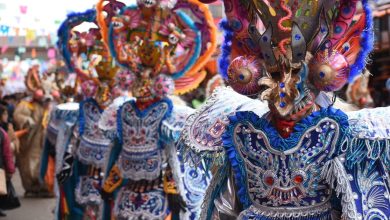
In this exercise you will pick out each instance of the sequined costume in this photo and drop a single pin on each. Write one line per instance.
(163, 48)
(62, 118)
(59, 130)
(86, 152)
(299, 160)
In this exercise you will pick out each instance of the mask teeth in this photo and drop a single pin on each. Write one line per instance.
(300, 106)
(302, 103)
(148, 2)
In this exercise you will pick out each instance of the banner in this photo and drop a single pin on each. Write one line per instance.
(4, 29)
(16, 29)
(4, 49)
(21, 50)
(30, 35)
(51, 53)
(42, 42)
(23, 9)
(33, 53)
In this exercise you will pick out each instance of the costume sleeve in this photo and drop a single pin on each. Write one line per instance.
(220, 201)
(170, 130)
(65, 144)
(45, 159)
(226, 204)
(363, 188)
(180, 177)
(368, 137)
(8, 157)
(201, 151)
(201, 138)
(360, 172)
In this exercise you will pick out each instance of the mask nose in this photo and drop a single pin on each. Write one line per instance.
(47, 98)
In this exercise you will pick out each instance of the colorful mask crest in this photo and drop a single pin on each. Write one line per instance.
(157, 45)
(162, 45)
(295, 49)
(86, 54)
(156, 38)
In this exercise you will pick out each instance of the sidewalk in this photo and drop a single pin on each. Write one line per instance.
(31, 209)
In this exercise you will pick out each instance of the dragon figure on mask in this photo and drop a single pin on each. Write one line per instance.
(84, 148)
(302, 158)
(163, 44)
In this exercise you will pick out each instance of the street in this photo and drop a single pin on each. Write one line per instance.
(31, 209)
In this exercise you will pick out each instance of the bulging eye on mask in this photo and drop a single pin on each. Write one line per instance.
(303, 50)
(289, 88)
(244, 73)
(329, 71)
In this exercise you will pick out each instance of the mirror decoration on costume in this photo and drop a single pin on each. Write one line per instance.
(118, 157)
(299, 159)
(162, 45)
(87, 147)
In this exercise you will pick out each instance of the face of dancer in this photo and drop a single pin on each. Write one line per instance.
(4, 117)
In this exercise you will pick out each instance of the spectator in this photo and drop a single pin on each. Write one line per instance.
(9, 128)
(7, 159)
(10, 101)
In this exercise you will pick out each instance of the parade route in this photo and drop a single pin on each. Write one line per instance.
(32, 208)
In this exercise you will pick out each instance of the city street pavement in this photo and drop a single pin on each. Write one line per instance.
(31, 209)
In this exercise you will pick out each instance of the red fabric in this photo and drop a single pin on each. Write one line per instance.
(50, 174)
(8, 156)
(284, 127)
(144, 105)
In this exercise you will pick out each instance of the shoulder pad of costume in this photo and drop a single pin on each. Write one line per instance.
(202, 133)
(371, 124)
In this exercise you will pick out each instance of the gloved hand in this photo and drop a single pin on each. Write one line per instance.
(66, 170)
(113, 181)
(106, 195)
(176, 204)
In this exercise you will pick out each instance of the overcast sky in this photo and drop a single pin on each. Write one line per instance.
(40, 15)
